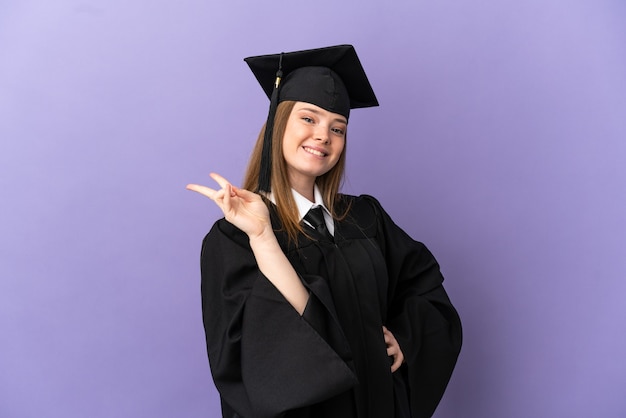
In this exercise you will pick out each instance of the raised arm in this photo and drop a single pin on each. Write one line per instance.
(248, 212)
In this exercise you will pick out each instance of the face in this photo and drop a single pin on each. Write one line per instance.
(313, 142)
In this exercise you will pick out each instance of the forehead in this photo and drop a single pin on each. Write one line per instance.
(305, 106)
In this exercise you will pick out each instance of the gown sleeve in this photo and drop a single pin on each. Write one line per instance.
(265, 358)
(420, 316)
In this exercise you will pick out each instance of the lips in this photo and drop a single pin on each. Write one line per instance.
(315, 151)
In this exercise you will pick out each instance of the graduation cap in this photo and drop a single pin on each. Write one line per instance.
(331, 78)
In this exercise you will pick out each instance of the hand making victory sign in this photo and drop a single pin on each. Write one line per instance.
(241, 207)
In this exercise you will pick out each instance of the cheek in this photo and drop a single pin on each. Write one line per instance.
(340, 146)
(287, 143)
(290, 148)
(290, 139)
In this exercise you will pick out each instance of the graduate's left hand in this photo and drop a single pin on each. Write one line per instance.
(393, 349)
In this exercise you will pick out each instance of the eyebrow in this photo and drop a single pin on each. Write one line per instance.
(317, 112)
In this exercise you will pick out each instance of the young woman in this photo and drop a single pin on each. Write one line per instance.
(315, 304)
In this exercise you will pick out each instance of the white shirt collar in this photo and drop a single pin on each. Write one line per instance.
(304, 205)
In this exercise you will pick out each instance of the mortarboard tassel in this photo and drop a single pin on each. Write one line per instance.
(265, 174)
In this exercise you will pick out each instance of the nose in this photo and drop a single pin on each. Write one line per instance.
(322, 134)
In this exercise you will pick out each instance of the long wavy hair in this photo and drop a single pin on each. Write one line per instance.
(328, 183)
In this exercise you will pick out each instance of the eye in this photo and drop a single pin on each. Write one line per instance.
(338, 131)
(307, 119)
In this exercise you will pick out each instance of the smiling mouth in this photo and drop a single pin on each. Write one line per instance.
(315, 152)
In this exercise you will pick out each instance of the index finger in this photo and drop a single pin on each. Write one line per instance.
(397, 362)
(203, 190)
(220, 180)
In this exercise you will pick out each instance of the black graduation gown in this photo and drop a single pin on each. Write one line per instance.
(268, 361)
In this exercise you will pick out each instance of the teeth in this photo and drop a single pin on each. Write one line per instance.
(314, 152)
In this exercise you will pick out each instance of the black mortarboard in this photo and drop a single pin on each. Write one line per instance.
(331, 78)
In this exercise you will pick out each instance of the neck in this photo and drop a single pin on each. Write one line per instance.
(305, 188)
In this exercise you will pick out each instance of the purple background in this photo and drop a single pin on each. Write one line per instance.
(500, 142)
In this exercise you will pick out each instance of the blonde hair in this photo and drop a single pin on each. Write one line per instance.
(328, 183)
